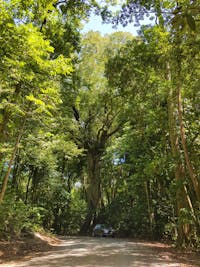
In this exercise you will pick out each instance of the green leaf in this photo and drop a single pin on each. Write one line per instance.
(38, 102)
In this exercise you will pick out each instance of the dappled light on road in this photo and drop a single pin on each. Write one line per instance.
(106, 252)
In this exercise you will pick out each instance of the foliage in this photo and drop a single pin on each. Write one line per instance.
(76, 213)
(18, 217)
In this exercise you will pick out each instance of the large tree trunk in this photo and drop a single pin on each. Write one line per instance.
(93, 188)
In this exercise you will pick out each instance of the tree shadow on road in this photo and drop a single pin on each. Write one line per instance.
(107, 252)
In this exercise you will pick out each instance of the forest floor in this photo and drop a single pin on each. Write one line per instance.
(27, 247)
(48, 251)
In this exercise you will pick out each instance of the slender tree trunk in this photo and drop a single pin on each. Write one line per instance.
(6, 114)
(63, 167)
(6, 177)
(27, 188)
(190, 167)
(35, 182)
(189, 203)
(3, 125)
(16, 170)
(150, 213)
(3, 130)
(174, 141)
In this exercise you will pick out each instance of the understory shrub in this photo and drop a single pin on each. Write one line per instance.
(16, 216)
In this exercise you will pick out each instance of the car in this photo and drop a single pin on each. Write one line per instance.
(101, 230)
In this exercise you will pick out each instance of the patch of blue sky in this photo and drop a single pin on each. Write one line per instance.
(95, 24)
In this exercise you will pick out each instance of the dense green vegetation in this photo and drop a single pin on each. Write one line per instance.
(100, 128)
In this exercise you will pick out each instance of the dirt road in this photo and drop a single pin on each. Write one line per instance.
(106, 252)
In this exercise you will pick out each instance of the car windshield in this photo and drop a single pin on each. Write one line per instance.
(102, 226)
(99, 226)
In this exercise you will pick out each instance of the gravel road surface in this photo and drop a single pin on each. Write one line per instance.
(105, 252)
